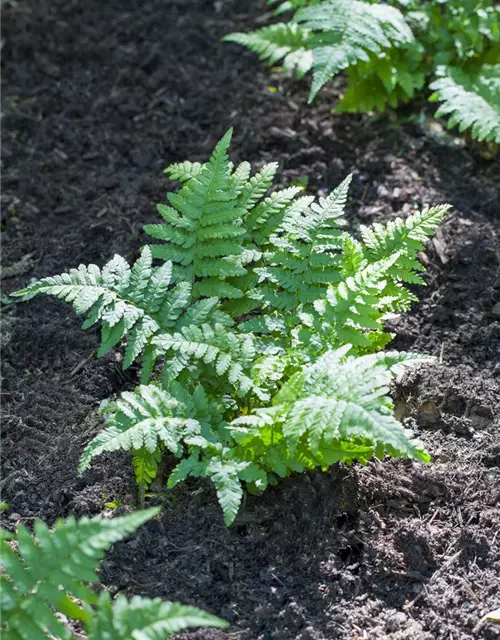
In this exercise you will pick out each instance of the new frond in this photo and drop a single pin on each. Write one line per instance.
(470, 101)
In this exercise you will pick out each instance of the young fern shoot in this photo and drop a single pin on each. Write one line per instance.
(258, 331)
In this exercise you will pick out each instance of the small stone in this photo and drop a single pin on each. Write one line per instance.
(382, 191)
(14, 517)
(496, 310)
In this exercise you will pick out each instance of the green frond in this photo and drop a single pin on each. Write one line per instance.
(266, 217)
(406, 236)
(335, 409)
(203, 224)
(50, 570)
(132, 304)
(285, 42)
(142, 420)
(257, 186)
(471, 101)
(183, 171)
(126, 301)
(146, 619)
(348, 31)
(354, 310)
(306, 254)
(228, 353)
(225, 476)
(48, 574)
(387, 79)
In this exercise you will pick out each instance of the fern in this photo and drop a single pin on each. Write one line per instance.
(50, 571)
(141, 422)
(328, 37)
(236, 394)
(347, 31)
(472, 101)
(306, 252)
(389, 54)
(286, 42)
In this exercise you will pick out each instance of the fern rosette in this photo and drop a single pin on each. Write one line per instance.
(258, 331)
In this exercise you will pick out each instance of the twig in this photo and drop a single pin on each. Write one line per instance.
(434, 576)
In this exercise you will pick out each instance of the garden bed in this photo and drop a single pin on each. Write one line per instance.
(98, 98)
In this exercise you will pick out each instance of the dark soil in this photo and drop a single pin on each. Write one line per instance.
(98, 97)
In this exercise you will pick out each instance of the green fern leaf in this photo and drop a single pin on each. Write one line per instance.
(335, 409)
(146, 619)
(306, 253)
(183, 171)
(282, 41)
(470, 101)
(407, 236)
(257, 186)
(47, 571)
(204, 225)
(347, 31)
(141, 420)
(225, 476)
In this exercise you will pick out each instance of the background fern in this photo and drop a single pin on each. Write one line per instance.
(50, 571)
(389, 53)
(298, 300)
(471, 101)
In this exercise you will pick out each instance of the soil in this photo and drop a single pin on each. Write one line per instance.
(98, 97)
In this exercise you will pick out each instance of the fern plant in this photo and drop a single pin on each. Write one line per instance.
(389, 53)
(259, 299)
(49, 573)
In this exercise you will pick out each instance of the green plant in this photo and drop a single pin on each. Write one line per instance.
(258, 333)
(389, 53)
(49, 573)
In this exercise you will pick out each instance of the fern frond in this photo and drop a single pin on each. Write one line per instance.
(142, 420)
(306, 256)
(282, 41)
(203, 222)
(228, 353)
(348, 31)
(387, 79)
(406, 236)
(49, 571)
(131, 304)
(335, 409)
(354, 311)
(48, 574)
(146, 619)
(183, 171)
(470, 101)
(266, 217)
